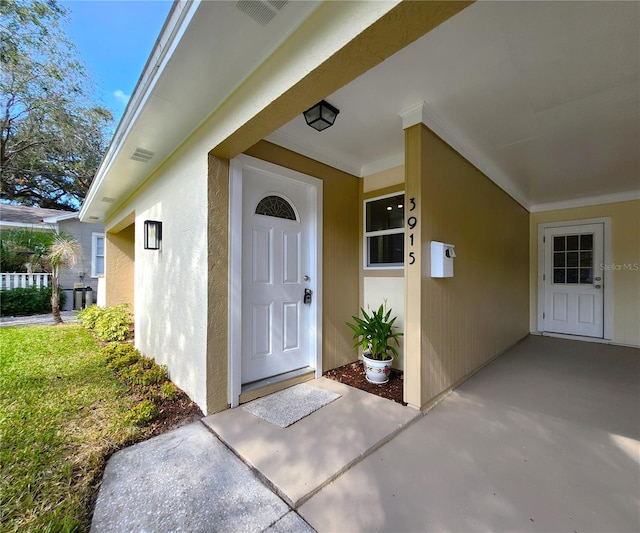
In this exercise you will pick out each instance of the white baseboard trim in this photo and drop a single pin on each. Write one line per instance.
(582, 339)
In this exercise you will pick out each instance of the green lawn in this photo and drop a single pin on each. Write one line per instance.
(61, 414)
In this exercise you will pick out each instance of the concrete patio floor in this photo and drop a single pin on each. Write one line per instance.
(545, 438)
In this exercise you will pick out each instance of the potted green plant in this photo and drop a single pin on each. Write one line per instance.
(374, 333)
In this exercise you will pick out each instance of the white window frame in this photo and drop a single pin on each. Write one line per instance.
(94, 253)
(367, 234)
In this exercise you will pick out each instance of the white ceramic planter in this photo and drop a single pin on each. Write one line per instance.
(376, 371)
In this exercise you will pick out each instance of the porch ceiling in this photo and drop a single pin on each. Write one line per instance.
(544, 97)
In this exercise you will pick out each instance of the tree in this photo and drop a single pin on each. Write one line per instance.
(23, 248)
(63, 253)
(52, 137)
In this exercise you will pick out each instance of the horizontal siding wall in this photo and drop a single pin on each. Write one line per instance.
(341, 252)
(484, 309)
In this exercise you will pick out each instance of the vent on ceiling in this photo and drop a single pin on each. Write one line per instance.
(260, 11)
(140, 154)
(108, 199)
(94, 218)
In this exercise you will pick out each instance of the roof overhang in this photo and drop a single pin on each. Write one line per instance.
(245, 79)
(24, 225)
(60, 218)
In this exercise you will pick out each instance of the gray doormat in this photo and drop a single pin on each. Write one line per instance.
(290, 405)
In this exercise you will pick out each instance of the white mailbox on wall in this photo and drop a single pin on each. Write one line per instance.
(442, 255)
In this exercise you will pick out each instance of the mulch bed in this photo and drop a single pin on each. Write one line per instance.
(353, 374)
(174, 413)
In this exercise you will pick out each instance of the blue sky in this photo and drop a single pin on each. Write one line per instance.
(114, 39)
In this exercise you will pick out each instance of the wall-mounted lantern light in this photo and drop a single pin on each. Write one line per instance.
(321, 116)
(152, 234)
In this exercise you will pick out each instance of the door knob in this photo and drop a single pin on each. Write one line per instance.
(598, 286)
(306, 278)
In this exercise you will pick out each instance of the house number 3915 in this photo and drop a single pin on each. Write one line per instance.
(412, 222)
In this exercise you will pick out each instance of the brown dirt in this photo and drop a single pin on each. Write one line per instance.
(353, 374)
(175, 413)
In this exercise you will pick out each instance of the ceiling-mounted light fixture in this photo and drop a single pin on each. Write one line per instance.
(321, 116)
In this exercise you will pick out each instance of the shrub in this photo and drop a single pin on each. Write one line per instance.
(108, 323)
(121, 362)
(89, 316)
(142, 414)
(25, 301)
(169, 390)
(114, 350)
(144, 372)
(154, 375)
(132, 366)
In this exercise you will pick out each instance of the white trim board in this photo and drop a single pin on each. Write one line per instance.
(587, 201)
(7, 224)
(423, 113)
(582, 339)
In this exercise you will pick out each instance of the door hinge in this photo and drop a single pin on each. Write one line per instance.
(544, 277)
(543, 315)
(544, 239)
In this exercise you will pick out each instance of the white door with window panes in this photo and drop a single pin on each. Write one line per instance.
(573, 280)
(384, 231)
(278, 258)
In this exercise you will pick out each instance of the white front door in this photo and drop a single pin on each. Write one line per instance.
(573, 280)
(278, 267)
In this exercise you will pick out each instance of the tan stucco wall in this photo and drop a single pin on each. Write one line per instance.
(466, 320)
(218, 290)
(625, 250)
(340, 248)
(119, 266)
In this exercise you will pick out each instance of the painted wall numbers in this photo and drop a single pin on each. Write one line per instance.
(412, 222)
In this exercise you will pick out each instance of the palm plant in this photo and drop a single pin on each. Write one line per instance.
(63, 253)
(374, 332)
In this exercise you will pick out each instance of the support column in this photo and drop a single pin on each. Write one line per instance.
(413, 267)
(218, 285)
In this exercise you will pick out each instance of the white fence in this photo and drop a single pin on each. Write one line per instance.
(15, 280)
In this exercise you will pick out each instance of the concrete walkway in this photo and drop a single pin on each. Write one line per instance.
(546, 438)
(36, 320)
(187, 481)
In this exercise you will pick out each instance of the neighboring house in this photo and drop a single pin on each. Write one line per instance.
(507, 129)
(91, 237)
